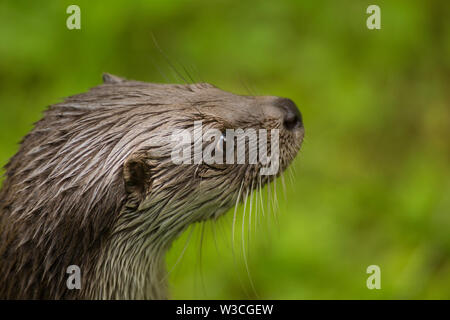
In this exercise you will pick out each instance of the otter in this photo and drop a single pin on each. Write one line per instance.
(93, 185)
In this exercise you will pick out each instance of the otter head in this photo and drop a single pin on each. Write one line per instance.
(202, 149)
(108, 178)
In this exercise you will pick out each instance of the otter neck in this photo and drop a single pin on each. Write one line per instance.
(132, 265)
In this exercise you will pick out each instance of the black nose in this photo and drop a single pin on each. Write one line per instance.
(292, 116)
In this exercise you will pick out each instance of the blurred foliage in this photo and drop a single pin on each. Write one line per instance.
(372, 182)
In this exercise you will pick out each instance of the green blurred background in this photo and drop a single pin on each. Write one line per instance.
(372, 182)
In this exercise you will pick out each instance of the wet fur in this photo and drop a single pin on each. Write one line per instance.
(93, 185)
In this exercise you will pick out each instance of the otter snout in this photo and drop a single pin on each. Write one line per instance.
(292, 118)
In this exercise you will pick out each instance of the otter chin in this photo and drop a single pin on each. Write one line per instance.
(94, 185)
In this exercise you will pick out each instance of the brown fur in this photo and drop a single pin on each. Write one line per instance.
(93, 185)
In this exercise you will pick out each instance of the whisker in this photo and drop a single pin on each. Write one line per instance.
(187, 73)
(234, 216)
(195, 69)
(243, 217)
(275, 197)
(233, 239)
(243, 247)
(167, 59)
(188, 241)
(269, 196)
(276, 204)
(256, 208)
(262, 204)
(249, 227)
(166, 79)
(291, 175)
(244, 84)
(202, 280)
(283, 184)
(213, 227)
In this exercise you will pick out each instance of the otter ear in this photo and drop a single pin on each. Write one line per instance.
(110, 78)
(137, 177)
